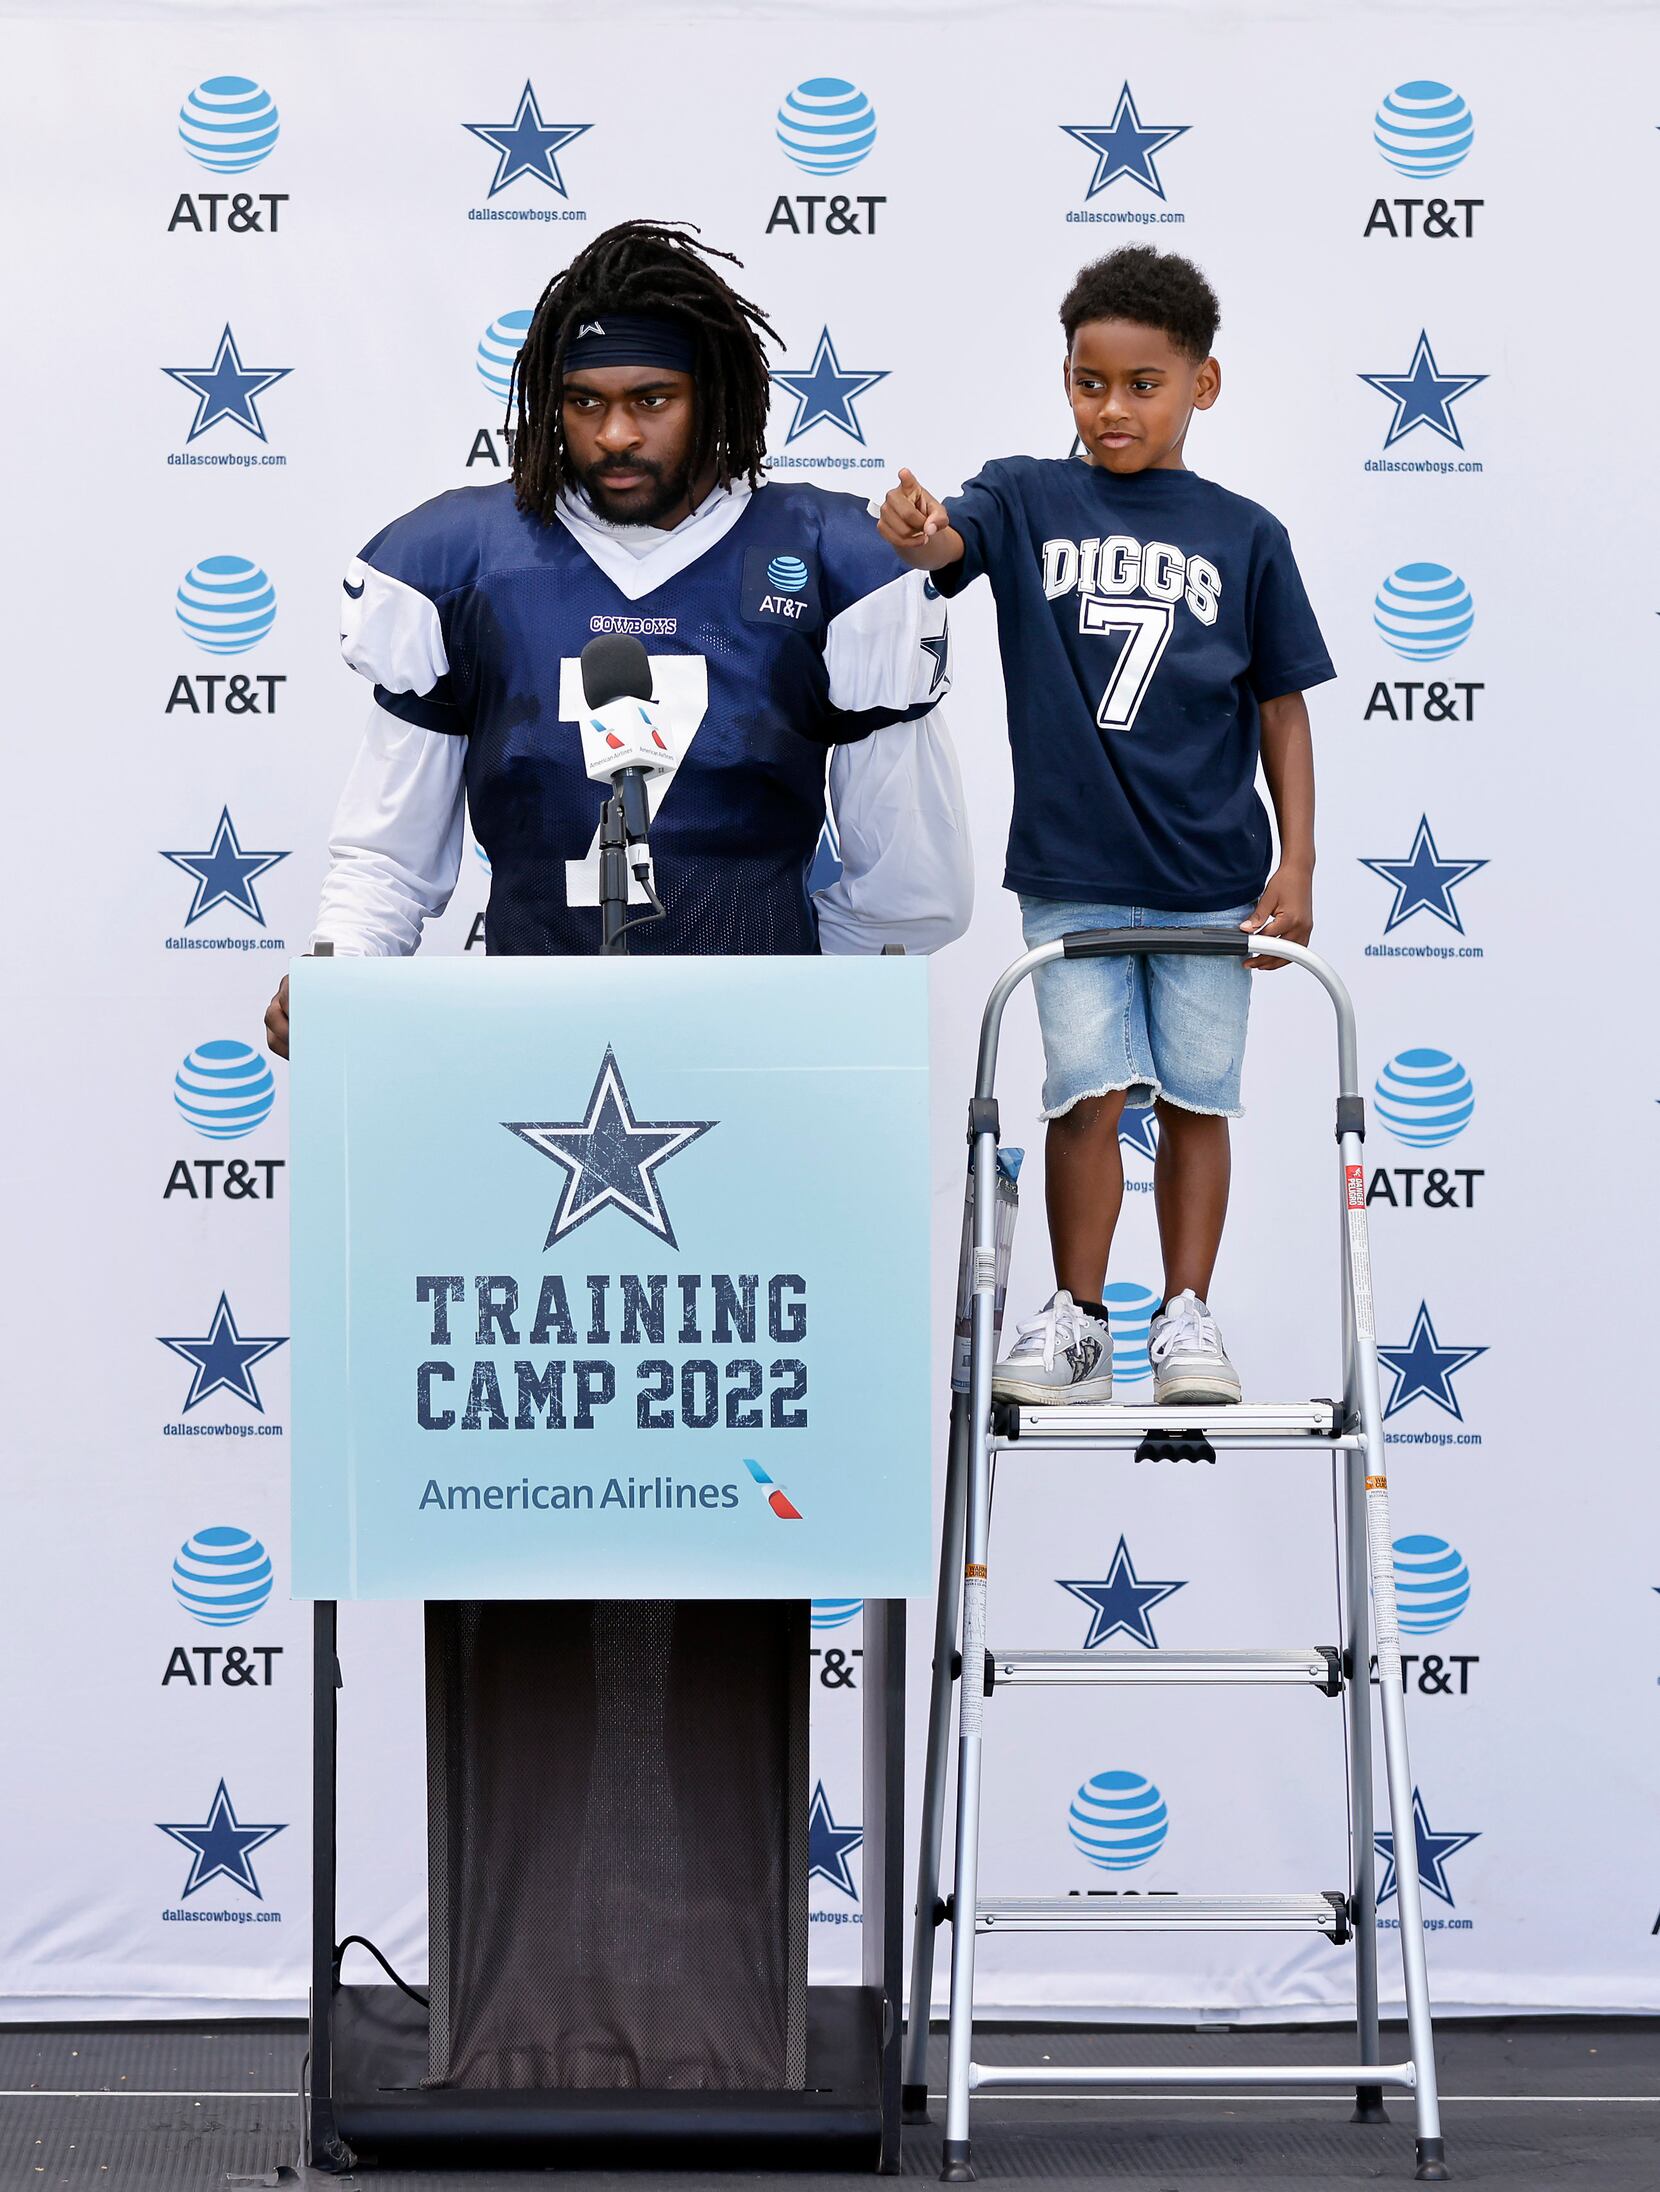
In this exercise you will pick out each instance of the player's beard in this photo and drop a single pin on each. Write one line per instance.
(662, 492)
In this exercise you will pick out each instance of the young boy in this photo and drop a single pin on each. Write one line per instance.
(1156, 640)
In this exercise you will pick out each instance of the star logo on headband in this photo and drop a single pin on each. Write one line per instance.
(527, 145)
(826, 391)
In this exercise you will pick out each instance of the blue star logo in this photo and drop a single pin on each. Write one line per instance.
(1119, 1605)
(220, 1846)
(1423, 396)
(1424, 1370)
(1126, 146)
(224, 873)
(1433, 1851)
(1138, 1129)
(1424, 882)
(226, 389)
(222, 1359)
(938, 647)
(826, 391)
(830, 1846)
(528, 145)
(610, 1157)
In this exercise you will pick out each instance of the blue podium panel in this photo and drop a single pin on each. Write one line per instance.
(610, 1278)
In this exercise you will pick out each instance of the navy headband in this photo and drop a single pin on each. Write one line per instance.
(631, 338)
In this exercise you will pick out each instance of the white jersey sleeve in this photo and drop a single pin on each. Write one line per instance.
(395, 847)
(907, 864)
(888, 653)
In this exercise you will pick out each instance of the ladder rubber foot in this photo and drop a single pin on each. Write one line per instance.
(958, 2168)
(913, 2104)
(1369, 2108)
(1432, 2161)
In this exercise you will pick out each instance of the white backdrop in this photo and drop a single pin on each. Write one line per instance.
(1515, 1299)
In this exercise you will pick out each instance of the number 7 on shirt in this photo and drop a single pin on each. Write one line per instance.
(1146, 625)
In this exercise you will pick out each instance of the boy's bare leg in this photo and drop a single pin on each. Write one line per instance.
(1190, 1194)
(1084, 1191)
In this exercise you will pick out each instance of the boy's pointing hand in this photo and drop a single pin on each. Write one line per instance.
(918, 526)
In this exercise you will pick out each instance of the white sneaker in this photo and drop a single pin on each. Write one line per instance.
(1190, 1366)
(1059, 1358)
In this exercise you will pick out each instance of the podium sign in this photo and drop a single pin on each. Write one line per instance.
(610, 1278)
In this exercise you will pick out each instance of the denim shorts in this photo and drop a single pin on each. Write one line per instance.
(1160, 1026)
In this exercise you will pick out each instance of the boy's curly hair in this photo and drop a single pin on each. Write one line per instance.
(1153, 288)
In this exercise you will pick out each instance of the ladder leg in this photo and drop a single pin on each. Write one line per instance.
(958, 2169)
(1357, 1705)
(941, 1692)
(1397, 1764)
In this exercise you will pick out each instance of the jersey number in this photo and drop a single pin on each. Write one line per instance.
(680, 686)
(1146, 626)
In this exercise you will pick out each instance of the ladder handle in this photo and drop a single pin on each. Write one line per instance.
(1189, 943)
(1103, 943)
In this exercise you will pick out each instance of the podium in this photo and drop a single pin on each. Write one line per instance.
(610, 1337)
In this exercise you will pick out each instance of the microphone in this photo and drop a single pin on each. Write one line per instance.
(622, 732)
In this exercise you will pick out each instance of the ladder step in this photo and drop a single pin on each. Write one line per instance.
(1155, 1913)
(1108, 2077)
(1130, 1423)
(1321, 1664)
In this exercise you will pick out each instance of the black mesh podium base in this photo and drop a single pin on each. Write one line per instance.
(654, 1758)
(384, 2115)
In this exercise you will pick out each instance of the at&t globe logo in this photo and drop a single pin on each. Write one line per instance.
(498, 350)
(1424, 611)
(225, 1089)
(1425, 1098)
(826, 126)
(222, 1576)
(835, 1613)
(1131, 1310)
(228, 124)
(226, 604)
(787, 573)
(1423, 129)
(1432, 1584)
(1118, 1820)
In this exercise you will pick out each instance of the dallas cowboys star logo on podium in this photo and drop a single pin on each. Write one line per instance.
(1125, 146)
(1423, 395)
(610, 1157)
(221, 1846)
(826, 391)
(1424, 1369)
(226, 389)
(1433, 1851)
(1424, 882)
(528, 145)
(830, 1846)
(223, 1359)
(224, 873)
(1120, 1603)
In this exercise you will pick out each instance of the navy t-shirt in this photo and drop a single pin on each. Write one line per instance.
(1141, 621)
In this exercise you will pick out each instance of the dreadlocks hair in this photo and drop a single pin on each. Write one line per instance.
(644, 266)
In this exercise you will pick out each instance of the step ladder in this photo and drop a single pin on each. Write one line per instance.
(982, 1431)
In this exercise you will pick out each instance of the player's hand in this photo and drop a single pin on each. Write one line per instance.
(1285, 909)
(276, 1020)
(918, 525)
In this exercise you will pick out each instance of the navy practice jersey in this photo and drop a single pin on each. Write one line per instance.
(1141, 621)
(778, 623)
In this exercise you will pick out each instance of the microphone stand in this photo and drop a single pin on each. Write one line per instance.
(618, 830)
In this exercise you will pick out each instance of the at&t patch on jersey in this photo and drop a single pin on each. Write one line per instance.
(780, 586)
